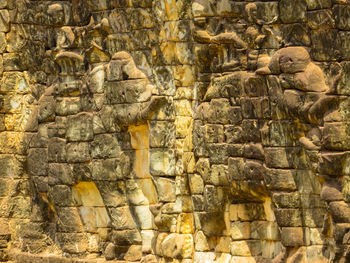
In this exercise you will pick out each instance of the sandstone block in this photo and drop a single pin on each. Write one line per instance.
(80, 128)
(122, 218)
(78, 152)
(292, 236)
(240, 230)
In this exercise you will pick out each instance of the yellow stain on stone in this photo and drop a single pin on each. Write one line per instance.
(185, 223)
(171, 10)
(188, 246)
(140, 142)
(268, 208)
(185, 75)
(88, 194)
(168, 50)
(50, 205)
(149, 190)
(92, 212)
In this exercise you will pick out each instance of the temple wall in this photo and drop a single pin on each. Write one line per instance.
(174, 131)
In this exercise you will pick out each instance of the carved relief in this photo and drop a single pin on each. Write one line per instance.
(174, 131)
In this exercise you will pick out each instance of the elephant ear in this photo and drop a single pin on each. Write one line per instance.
(230, 85)
(294, 59)
(274, 65)
(216, 89)
(212, 93)
(312, 79)
(289, 60)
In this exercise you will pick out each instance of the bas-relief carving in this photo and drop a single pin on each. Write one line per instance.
(95, 123)
(289, 89)
(270, 143)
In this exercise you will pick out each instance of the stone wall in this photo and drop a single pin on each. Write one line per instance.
(174, 131)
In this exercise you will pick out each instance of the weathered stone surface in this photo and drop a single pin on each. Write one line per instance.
(292, 236)
(297, 15)
(160, 131)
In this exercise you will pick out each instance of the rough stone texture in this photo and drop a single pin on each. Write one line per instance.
(174, 131)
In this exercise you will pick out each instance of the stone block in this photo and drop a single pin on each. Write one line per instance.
(254, 128)
(78, 152)
(11, 166)
(185, 223)
(278, 179)
(236, 168)
(211, 223)
(183, 126)
(278, 157)
(178, 246)
(69, 219)
(340, 211)
(313, 217)
(315, 4)
(293, 236)
(331, 192)
(344, 43)
(316, 254)
(184, 76)
(292, 12)
(322, 50)
(240, 248)
(341, 15)
(233, 134)
(13, 143)
(105, 146)
(162, 133)
(214, 198)
(223, 245)
(73, 243)
(316, 236)
(80, 128)
(219, 175)
(224, 113)
(121, 218)
(67, 106)
(271, 249)
(61, 195)
(144, 217)
(134, 253)
(60, 173)
(94, 218)
(201, 242)
(113, 193)
(331, 163)
(288, 217)
(5, 20)
(240, 230)
(196, 184)
(57, 150)
(163, 162)
(255, 86)
(126, 237)
(214, 133)
(166, 189)
(70, 88)
(218, 153)
(198, 202)
(320, 19)
(254, 170)
(264, 230)
(148, 241)
(37, 162)
(286, 200)
(306, 183)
